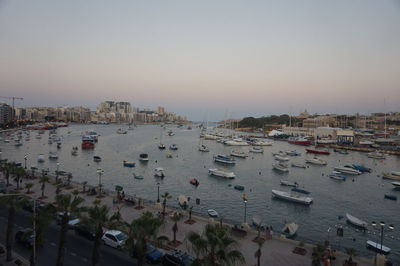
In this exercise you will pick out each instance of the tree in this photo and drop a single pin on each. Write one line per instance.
(28, 187)
(142, 229)
(165, 196)
(43, 180)
(66, 204)
(318, 252)
(69, 177)
(12, 203)
(7, 169)
(18, 173)
(215, 246)
(176, 218)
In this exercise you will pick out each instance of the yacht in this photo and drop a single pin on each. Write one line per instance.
(144, 157)
(40, 158)
(121, 131)
(53, 156)
(280, 167)
(240, 154)
(224, 159)
(347, 170)
(236, 142)
(221, 173)
(256, 149)
(376, 155)
(281, 158)
(293, 197)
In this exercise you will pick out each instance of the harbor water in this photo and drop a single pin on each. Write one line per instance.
(361, 196)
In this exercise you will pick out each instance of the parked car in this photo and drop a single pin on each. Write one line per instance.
(25, 237)
(86, 230)
(153, 255)
(114, 238)
(72, 219)
(177, 258)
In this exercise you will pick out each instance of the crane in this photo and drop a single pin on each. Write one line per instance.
(13, 100)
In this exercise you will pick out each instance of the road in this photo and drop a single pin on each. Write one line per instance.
(78, 252)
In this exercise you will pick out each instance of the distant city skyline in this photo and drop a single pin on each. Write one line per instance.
(206, 60)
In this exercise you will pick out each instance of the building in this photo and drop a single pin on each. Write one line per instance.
(6, 114)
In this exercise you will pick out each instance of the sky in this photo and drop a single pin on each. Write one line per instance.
(204, 59)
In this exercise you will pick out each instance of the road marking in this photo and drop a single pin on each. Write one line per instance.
(53, 244)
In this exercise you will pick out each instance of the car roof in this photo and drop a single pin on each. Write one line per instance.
(113, 232)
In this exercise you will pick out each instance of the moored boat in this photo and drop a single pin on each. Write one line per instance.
(221, 173)
(280, 167)
(256, 149)
(299, 141)
(121, 131)
(239, 187)
(137, 176)
(337, 176)
(293, 153)
(236, 142)
(97, 158)
(159, 172)
(128, 164)
(281, 158)
(173, 147)
(361, 168)
(224, 159)
(290, 230)
(161, 146)
(240, 154)
(323, 152)
(378, 247)
(396, 184)
(40, 158)
(302, 191)
(262, 143)
(376, 155)
(347, 170)
(212, 213)
(53, 156)
(144, 157)
(289, 183)
(183, 201)
(194, 182)
(355, 221)
(298, 165)
(316, 161)
(390, 176)
(203, 148)
(293, 197)
(390, 196)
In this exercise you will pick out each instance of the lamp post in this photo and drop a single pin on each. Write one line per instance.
(244, 197)
(158, 192)
(382, 224)
(100, 172)
(25, 158)
(57, 172)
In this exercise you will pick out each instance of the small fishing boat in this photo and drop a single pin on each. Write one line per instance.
(293, 197)
(302, 191)
(161, 146)
(40, 158)
(194, 182)
(298, 165)
(183, 201)
(361, 168)
(281, 167)
(299, 141)
(262, 143)
(239, 187)
(173, 147)
(74, 152)
(355, 221)
(17, 143)
(224, 159)
(281, 158)
(293, 153)
(128, 164)
(290, 230)
(221, 173)
(53, 156)
(397, 173)
(256, 149)
(212, 213)
(288, 183)
(396, 185)
(316, 161)
(240, 154)
(376, 155)
(337, 176)
(169, 155)
(97, 158)
(159, 172)
(390, 176)
(203, 148)
(347, 170)
(378, 247)
(324, 152)
(121, 131)
(58, 145)
(144, 157)
(390, 196)
(137, 176)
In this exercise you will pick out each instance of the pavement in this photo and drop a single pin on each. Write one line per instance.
(275, 251)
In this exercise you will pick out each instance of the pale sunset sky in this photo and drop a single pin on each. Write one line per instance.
(204, 58)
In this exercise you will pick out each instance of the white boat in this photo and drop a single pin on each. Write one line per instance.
(121, 131)
(256, 149)
(355, 221)
(221, 158)
(53, 156)
(262, 143)
(18, 142)
(390, 176)
(298, 165)
(40, 158)
(376, 155)
(395, 173)
(280, 167)
(378, 247)
(159, 172)
(144, 157)
(396, 184)
(290, 230)
(210, 137)
(38, 136)
(212, 213)
(347, 170)
(316, 161)
(337, 176)
(183, 201)
(221, 173)
(74, 152)
(240, 154)
(6, 141)
(288, 183)
(236, 142)
(281, 158)
(294, 197)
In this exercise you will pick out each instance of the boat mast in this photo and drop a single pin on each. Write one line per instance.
(384, 106)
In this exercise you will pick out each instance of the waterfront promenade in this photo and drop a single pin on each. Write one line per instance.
(275, 251)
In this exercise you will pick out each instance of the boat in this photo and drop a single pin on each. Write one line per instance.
(256, 149)
(240, 154)
(323, 152)
(316, 161)
(38, 136)
(58, 145)
(224, 159)
(299, 141)
(6, 141)
(288, 183)
(53, 156)
(376, 155)
(159, 172)
(396, 184)
(183, 201)
(280, 167)
(137, 176)
(221, 173)
(293, 153)
(173, 147)
(337, 176)
(341, 151)
(40, 158)
(236, 142)
(290, 230)
(87, 142)
(74, 152)
(212, 213)
(50, 141)
(347, 170)
(161, 146)
(97, 158)
(361, 168)
(128, 164)
(93, 135)
(262, 143)
(203, 148)
(121, 131)
(18, 142)
(281, 158)
(390, 196)
(390, 176)
(298, 165)
(239, 187)
(395, 173)
(355, 221)
(194, 182)
(144, 157)
(169, 155)
(302, 191)
(378, 247)
(169, 133)
(293, 197)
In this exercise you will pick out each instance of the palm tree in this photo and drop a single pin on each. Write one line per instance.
(69, 177)
(165, 196)
(18, 173)
(176, 218)
(66, 204)
(352, 253)
(43, 180)
(12, 203)
(215, 246)
(84, 183)
(28, 187)
(7, 170)
(257, 254)
(142, 229)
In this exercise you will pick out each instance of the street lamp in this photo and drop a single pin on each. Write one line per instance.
(158, 192)
(25, 158)
(100, 172)
(244, 197)
(382, 224)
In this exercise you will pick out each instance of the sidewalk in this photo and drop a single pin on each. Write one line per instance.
(275, 251)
